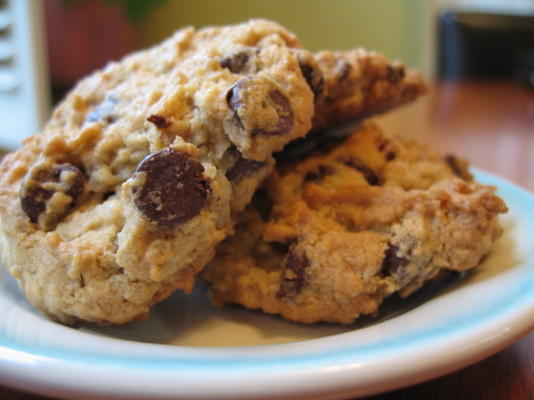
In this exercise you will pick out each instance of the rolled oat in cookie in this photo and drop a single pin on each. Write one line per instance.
(330, 236)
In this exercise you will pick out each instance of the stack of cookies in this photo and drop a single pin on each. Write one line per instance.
(159, 171)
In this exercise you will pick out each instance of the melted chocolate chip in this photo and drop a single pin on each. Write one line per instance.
(263, 203)
(243, 167)
(159, 121)
(393, 263)
(42, 182)
(319, 174)
(294, 275)
(454, 165)
(280, 248)
(383, 147)
(395, 74)
(285, 113)
(369, 175)
(313, 75)
(236, 62)
(247, 99)
(390, 156)
(174, 188)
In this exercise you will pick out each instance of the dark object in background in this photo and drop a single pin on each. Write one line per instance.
(475, 45)
(84, 35)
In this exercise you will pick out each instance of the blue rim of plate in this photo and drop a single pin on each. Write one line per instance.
(501, 323)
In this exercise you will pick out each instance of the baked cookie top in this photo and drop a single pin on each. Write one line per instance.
(139, 173)
(329, 237)
(124, 195)
(359, 83)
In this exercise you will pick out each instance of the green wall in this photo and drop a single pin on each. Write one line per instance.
(395, 28)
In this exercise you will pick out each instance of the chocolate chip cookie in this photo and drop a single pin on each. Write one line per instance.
(359, 83)
(134, 180)
(139, 173)
(329, 237)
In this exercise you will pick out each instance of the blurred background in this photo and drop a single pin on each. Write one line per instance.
(47, 45)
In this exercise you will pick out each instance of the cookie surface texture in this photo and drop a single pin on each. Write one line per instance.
(123, 196)
(359, 83)
(329, 237)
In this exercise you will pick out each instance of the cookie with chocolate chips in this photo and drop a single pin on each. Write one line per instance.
(140, 171)
(346, 228)
(359, 83)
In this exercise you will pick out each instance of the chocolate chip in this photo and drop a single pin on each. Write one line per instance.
(294, 275)
(173, 189)
(390, 156)
(254, 102)
(40, 184)
(383, 147)
(104, 112)
(244, 62)
(395, 74)
(456, 167)
(392, 262)
(159, 121)
(262, 203)
(243, 167)
(284, 110)
(237, 62)
(369, 175)
(319, 174)
(280, 248)
(311, 72)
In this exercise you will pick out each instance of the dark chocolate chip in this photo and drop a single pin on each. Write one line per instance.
(174, 188)
(294, 275)
(246, 99)
(42, 182)
(243, 167)
(395, 73)
(159, 121)
(233, 99)
(390, 156)
(369, 175)
(104, 112)
(263, 203)
(280, 248)
(313, 75)
(454, 165)
(319, 174)
(236, 62)
(285, 113)
(392, 262)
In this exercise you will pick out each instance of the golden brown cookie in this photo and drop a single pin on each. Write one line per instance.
(328, 238)
(359, 83)
(134, 180)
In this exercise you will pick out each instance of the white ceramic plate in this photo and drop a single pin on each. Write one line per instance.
(189, 350)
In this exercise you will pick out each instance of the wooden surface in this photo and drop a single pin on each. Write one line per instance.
(491, 124)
